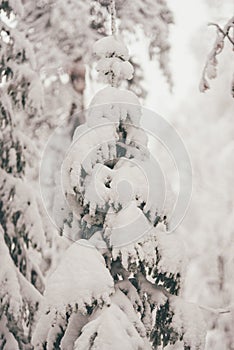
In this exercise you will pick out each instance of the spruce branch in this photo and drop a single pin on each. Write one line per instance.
(159, 294)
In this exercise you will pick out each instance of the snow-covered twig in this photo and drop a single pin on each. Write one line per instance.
(210, 69)
(113, 17)
(214, 311)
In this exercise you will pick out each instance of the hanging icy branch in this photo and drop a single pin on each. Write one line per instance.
(210, 69)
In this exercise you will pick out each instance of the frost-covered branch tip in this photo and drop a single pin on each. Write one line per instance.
(210, 69)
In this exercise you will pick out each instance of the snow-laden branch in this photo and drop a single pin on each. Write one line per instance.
(158, 294)
(210, 69)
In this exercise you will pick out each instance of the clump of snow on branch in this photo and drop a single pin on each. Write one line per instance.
(64, 286)
(113, 65)
(10, 293)
(115, 105)
(107, 322)
(28, 205)
(154, 247)
(171, 250)
(188, 321)
(73, 287)
(109, 47)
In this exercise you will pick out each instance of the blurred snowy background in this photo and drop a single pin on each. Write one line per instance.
(54, 41)
(205, 122)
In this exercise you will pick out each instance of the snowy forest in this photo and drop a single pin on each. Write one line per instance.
(116, 165)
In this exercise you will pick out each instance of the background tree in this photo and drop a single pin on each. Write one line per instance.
(23, 227)
(207, 226)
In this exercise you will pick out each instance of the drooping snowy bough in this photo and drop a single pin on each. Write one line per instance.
(210, 70)
(117, 285)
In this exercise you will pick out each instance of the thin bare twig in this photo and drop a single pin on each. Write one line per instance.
(225, 34)
(113, 17)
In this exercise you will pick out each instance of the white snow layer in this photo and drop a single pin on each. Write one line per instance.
(130, 180)
(114, 68)
(26, 204)
(10, 294)
(126, 182)
(127, 226)
(171, 249)
(111, 320)
(75, 324)
(7, 340)
(173, 259)
(72, 286)
(115, 105)
(89, 147)
(110, 46)
(188, 319)
(74, 280)
(98, 145)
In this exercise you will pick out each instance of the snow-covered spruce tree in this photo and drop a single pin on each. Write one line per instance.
(224, 35)
(117, 285)
(69, 29)
(22, 232)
